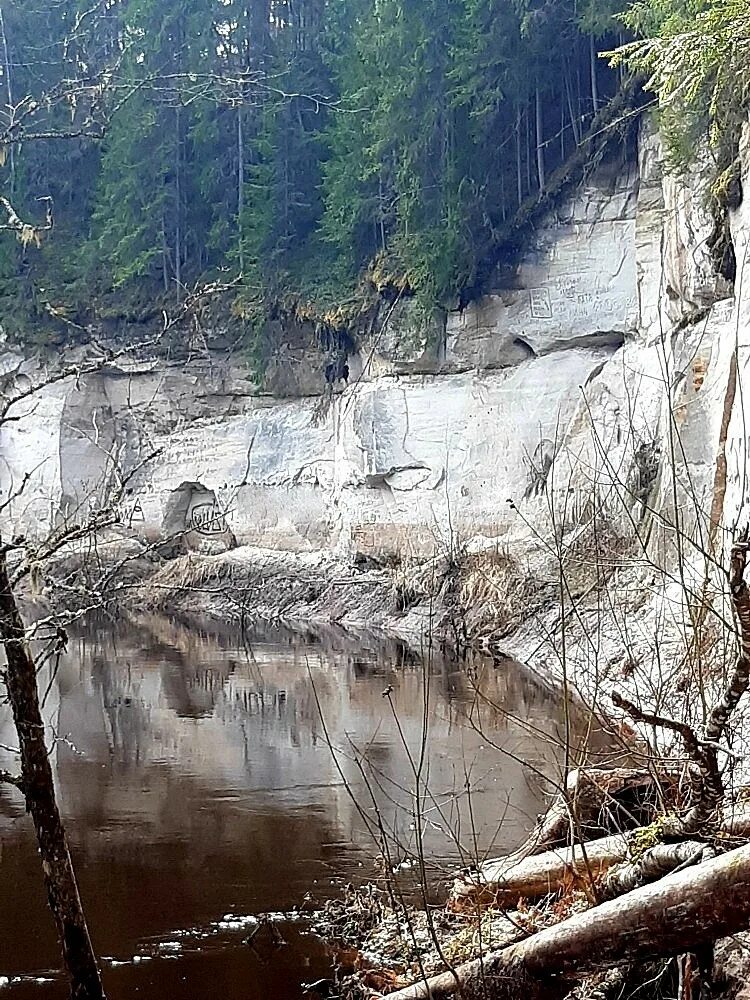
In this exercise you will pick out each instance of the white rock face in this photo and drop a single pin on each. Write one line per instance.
(432, 461)
(559, 389)
(602, 389)
(390, 465)
(576, 286)
(30, 447)
(396, 464)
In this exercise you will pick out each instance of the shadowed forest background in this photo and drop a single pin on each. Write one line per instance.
(300, 144)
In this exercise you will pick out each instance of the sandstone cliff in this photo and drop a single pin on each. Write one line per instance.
(589, 413)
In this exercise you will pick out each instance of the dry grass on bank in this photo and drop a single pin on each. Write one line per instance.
(495, 592)
(245, 584)
(192, 573)
(419, 581)
(467, 596)
(473, 593)
(382, 945)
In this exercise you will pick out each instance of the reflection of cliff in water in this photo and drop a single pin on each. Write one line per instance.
(202, 779)
(241, 718)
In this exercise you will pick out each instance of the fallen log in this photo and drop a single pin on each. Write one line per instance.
(587, 794)
(505, 880)
(653, 864)
(679, 913)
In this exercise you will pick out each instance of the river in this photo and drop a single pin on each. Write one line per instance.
(199, 788)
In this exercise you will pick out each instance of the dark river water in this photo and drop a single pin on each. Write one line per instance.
(200, 790)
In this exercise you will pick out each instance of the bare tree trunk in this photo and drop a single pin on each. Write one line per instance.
(528, 149)
(164, 255)
(574, 121)
(519, 181)
(562, 132)
(241, 179)
(592, 66)
(588, 793)
(539, 139)
(180, 221)
(38, 788)
(9, 88)
(582, 866)
(679, 913)
(178, 199)
(381, 208)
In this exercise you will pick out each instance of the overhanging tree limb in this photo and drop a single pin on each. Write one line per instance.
(706, 786)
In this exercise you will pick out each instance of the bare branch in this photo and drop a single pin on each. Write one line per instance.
(25, 231)
(738, 683)
(706, 785)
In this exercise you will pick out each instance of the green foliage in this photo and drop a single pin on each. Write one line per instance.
(130, 196)
(695, 55)
(325, 151)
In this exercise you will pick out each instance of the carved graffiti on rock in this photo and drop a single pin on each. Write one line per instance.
(566, 286)
(541, 305)
(136, 512)
(207, 519)
(130, 512)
